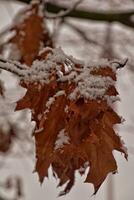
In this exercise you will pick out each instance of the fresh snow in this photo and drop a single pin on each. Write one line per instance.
(52, 99)
(62, 139)
(57, 62)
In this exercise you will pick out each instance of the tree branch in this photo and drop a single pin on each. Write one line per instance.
(81, 33)
(124, 17)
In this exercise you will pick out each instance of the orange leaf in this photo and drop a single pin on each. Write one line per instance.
(74, 119)
(31, 34)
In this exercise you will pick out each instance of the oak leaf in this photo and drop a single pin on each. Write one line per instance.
(31, 34)
(74, 119)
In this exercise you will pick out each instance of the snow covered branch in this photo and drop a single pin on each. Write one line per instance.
(66, 69)
(41, 69)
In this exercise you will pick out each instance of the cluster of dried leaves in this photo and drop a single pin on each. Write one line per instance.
(87, 123)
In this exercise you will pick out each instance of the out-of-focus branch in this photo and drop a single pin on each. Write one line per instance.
(81, 33)
(23, 1)
(108, 50)
(65, 13)
(123, 17)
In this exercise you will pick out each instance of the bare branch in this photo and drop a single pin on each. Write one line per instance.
(81, 33)
(124, 17)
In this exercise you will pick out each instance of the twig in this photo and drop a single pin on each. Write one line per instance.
(120, 65)
(12, 67)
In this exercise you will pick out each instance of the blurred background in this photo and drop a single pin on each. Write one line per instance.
(86, 40)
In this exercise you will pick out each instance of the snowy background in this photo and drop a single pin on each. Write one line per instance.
(122, 183)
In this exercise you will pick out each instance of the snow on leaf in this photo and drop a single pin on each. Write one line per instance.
(62, 139)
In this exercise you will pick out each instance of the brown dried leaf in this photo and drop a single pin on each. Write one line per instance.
(88, 125)
(31, 34)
